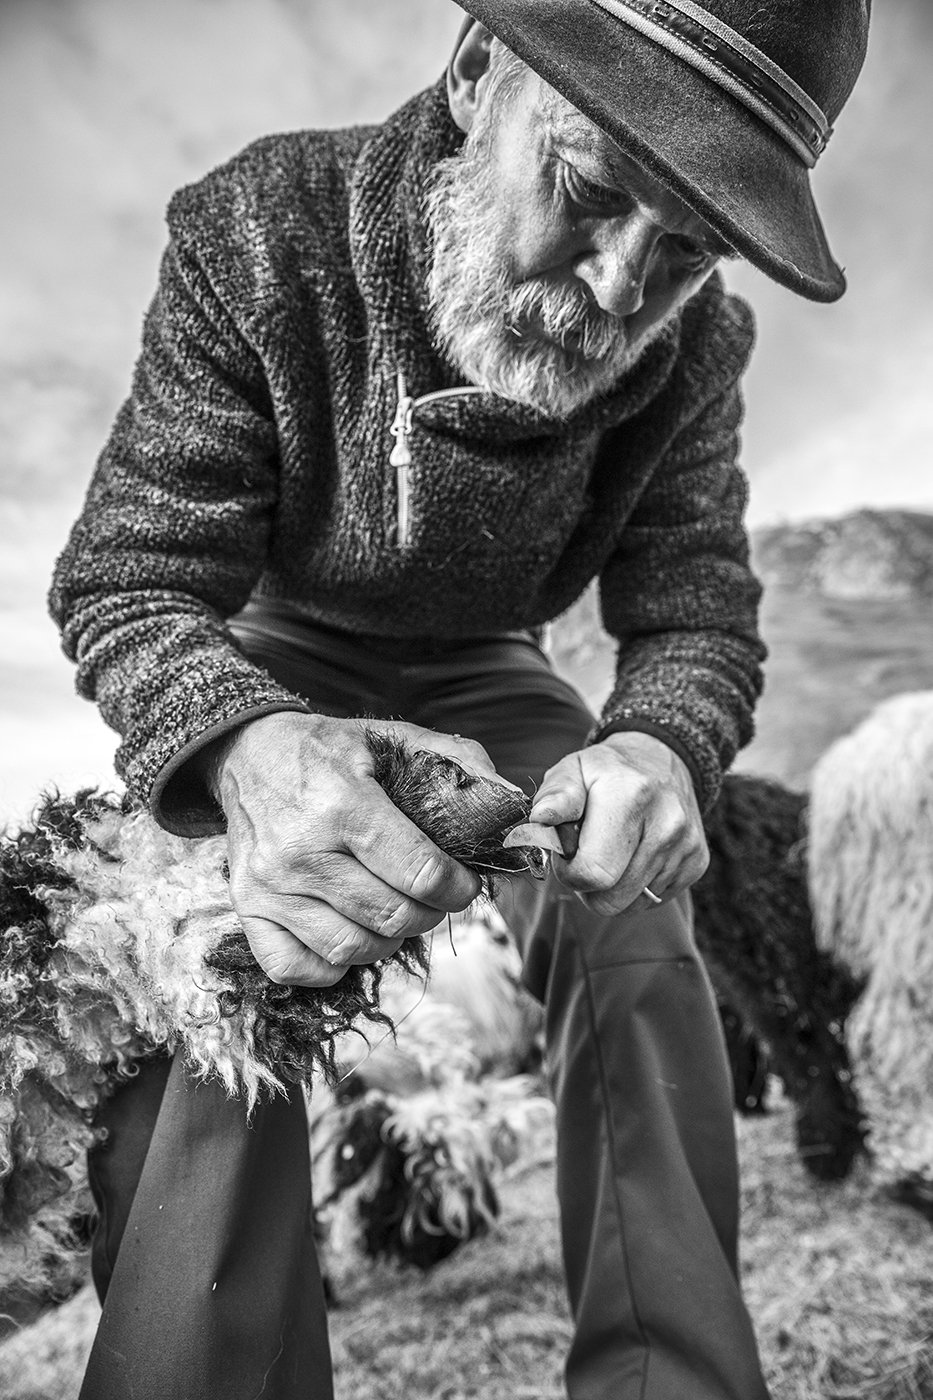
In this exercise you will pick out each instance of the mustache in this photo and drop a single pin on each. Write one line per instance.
(566, 315)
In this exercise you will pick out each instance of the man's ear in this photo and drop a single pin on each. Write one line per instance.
(468, 65)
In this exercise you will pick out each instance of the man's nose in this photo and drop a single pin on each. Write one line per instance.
(618, 262)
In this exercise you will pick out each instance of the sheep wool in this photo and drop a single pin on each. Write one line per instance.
(406, 1148)
(105, 963)
(120, 941)
(755, 931)
(871, 886)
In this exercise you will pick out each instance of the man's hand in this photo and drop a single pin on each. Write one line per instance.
(325, 872)
(639, 823)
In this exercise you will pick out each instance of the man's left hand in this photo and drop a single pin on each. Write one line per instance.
(632, 800)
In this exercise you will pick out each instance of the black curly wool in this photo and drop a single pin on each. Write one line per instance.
(755, 931)
(30, 865)
(399, 1213)
(35, 1174)
(748, 1061)
(297, 1028)
(424, 1241)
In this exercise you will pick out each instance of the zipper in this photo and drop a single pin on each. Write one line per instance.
(400, 456)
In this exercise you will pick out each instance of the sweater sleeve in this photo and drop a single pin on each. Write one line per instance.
(680, 597)
(170, 542)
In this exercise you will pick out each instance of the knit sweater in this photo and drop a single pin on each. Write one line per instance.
(252, 458)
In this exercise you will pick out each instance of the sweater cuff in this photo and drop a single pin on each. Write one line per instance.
(180, 800)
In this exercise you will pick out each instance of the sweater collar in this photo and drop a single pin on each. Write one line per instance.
(390, 248)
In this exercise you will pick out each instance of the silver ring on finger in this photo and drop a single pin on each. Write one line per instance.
(650, 894)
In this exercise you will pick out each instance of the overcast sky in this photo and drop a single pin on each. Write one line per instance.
(106, 106)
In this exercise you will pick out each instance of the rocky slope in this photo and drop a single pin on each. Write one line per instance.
(848, 619)
(868, 554)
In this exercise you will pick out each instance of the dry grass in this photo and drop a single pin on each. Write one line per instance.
(45, 1361)
(839, 1282)
(838, 1279)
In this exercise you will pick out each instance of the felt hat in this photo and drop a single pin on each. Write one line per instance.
(729, 104)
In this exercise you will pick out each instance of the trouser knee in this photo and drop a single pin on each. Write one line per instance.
(115, 1165)
(553, 930)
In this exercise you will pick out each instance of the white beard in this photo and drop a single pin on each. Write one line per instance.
(546, 346)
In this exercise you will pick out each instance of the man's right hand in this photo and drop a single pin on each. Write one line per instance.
(325, 872)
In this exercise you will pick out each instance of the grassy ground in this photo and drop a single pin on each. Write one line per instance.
(838, 1281)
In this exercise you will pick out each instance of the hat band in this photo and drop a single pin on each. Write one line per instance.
(730, 61)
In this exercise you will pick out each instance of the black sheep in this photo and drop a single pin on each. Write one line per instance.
(755, 930)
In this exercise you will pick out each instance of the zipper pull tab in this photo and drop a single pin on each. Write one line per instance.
(400, 459)
(401, 426)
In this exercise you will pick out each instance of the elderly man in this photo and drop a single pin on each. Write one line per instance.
(404, 391)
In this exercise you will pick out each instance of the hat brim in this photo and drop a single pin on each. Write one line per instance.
(718, 157)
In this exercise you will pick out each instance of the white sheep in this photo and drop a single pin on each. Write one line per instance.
(113, 946)
(871, 890)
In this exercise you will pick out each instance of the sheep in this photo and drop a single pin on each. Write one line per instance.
(754, 929)
(749, 1064)
(406, 1146)
(871, 884)
(120, 941)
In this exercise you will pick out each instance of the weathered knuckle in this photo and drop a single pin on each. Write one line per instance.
(698, 864)
(292, 851)
(641, 790)
(325, 974)
(278, 975)
(676, 829)
(676, 835)
(283, 969)
(322, 869)
(425, 873)
(342, 949)
(336, 808)
(330, 975)
(591, 874)
(602, 878)
(395, 919)
(261, 868)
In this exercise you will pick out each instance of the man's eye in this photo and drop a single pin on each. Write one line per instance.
(690, 254)
(589, 195)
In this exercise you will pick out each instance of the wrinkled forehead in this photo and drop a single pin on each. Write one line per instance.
(571, 127)
(573, 136)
